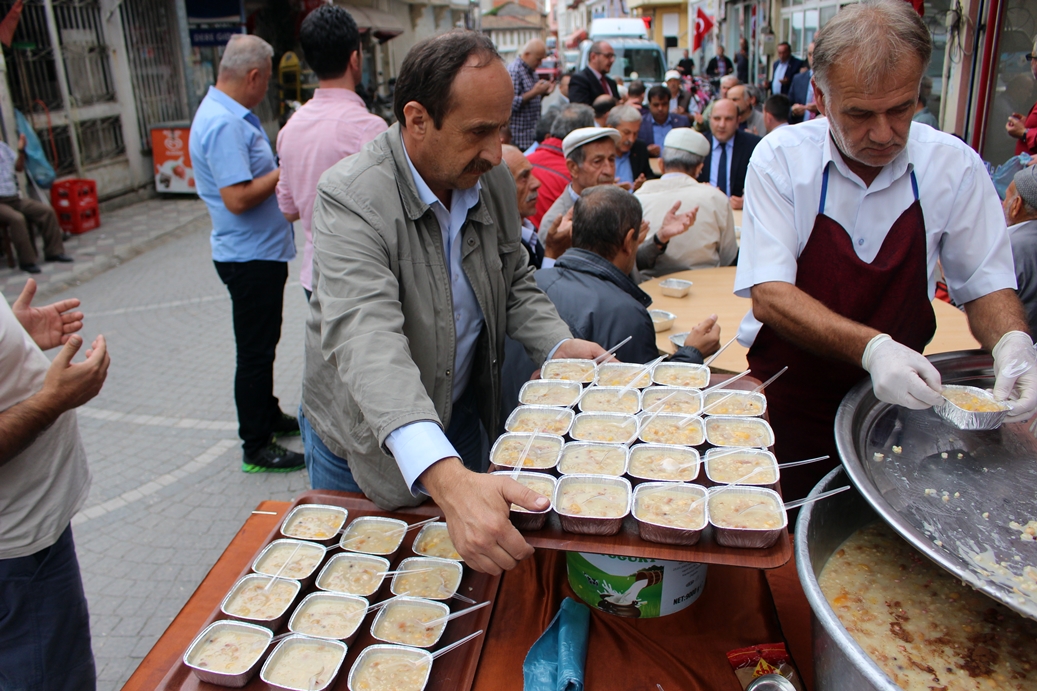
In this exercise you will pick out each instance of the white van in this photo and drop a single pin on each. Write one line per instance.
(634, 56)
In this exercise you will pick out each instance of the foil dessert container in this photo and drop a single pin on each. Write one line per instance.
(749, 538)
(557, 370)
(592, 525)
(653, 531)
(233, 680)
(323, 596)
(719, 408)
(583, 427)
(694, 430)
(287, 529)
(969, 419)
(681, 374)
(612, 374)
(607, 399)
(419, 562)
(383, 612)
(532, 392)
(347, 545)
(419, 538)
(284, 649)
(766, 459)
(681, 454)
(381, 563)
(314, 548)
(716, 423)
(615, 456)
(416, 654)
(662, 320)
(675, 287)
(529, 520)
(272, 623)
(511, 439)
(678, 400)
(550, 420)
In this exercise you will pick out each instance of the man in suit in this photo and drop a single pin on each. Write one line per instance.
(593, 80)
(730, 149)
(541, 254)
(632, 167)
(801, 93)
(785, 69)
(659, 120)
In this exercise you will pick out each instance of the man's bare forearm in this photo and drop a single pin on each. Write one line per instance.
(247, 195)
(994, 315)
(808, 323)
(22, 423)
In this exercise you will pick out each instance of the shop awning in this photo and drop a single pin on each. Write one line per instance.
(382, 25)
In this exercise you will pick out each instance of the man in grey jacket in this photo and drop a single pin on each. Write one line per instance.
(419, 272)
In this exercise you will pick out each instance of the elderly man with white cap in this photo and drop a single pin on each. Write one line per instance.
(590, 156)
(680, 99)
(711, 241)
(847, 221)
(1021, 215)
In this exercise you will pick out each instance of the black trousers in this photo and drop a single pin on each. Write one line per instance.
(257, 298)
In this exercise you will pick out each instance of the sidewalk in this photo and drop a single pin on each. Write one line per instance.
(123, 234)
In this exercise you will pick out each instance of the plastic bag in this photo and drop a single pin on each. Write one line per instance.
(1003, 174)
(36, 164)
(758, 660)
(557, 659)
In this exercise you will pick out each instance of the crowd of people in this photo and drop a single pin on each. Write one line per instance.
(443, 265)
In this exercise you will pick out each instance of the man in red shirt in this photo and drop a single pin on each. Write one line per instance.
(549, 161)
(1025, 129)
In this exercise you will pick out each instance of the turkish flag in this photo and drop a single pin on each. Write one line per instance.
(703, 25)
(10, 23)
(919, 6)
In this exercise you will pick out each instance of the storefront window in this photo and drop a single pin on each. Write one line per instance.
(1014, 89)
(798, 26)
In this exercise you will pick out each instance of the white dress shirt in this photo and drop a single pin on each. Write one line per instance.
(964, 224)
(420, 444)
(529, 236)
(714, 162)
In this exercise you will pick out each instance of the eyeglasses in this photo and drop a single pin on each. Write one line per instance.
(606, 55)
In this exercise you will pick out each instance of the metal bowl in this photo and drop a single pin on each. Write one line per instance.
(235, 680)
(662, 320)
(675, 287)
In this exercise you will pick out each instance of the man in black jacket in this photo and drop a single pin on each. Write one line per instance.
(786, 67)
(593, 80)
(730, 149)
(632, 166)
(718, 67)
(591, 288)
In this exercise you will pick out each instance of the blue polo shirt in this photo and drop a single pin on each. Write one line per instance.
(228, 146)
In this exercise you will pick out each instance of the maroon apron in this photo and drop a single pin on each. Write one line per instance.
(891, 294)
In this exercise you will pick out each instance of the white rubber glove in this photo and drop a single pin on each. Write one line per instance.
(1015, 365)
(901, 376)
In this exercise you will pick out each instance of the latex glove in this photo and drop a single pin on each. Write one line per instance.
(900, 375)
(1015, 362)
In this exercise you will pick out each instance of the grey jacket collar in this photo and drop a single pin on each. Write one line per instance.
(587, 262)
(412, 204)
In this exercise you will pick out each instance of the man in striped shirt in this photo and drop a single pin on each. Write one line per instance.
(525, 107)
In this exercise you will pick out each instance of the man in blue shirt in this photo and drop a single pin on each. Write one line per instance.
(236, 174)
(658, 122)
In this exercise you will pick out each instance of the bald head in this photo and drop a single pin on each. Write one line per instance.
(533, 53)
(526, 184)
(723, 122)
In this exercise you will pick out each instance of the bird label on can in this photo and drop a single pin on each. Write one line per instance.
(635, 587)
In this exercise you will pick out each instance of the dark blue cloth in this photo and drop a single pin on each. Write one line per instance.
(328, 471)
(556, 661)
(798, 92)
(647, 131)
(44, 624)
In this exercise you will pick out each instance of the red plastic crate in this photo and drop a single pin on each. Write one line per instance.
(79, 220)
(66, 194)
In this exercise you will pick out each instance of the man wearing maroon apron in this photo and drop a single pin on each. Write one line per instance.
(848, 219)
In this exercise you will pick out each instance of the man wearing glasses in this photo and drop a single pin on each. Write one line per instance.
(593, 80)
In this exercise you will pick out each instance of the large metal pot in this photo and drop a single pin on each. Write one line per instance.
(839, 663)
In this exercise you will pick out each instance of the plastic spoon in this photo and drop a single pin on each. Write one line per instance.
(604, 356)
(758, 389)
(315, 679)
(705, 392)
(462, 598)
(457, 644)
(283, 567)
(455, 615)
(409, 528)
(796, 503)
(714, 356)
(383, 574)
(644, 368)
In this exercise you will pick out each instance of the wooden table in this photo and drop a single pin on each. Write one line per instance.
(713, 294)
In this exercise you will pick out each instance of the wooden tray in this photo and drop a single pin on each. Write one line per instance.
(454, 671)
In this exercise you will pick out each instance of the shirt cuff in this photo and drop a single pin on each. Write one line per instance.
(416, 447)
(551, 355)
(547, 264)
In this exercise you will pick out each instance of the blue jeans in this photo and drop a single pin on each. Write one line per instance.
(329, 471)
(44, 624)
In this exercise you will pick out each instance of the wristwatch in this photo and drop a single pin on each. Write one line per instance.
(660, 245)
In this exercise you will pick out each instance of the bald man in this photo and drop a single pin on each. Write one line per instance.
(730, 149)
(749, 119)
(525, 106)
(541, 254)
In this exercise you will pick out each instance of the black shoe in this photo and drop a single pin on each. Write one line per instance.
(30, 268)
(63, 258)
(272, 458)
(285, 426)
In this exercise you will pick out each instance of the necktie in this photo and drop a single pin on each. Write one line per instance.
(722, 170)
(810, 99)
(605, 86)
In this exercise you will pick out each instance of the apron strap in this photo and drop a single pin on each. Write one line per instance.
(824, 190)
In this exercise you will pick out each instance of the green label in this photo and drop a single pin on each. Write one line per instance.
(636, 595)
